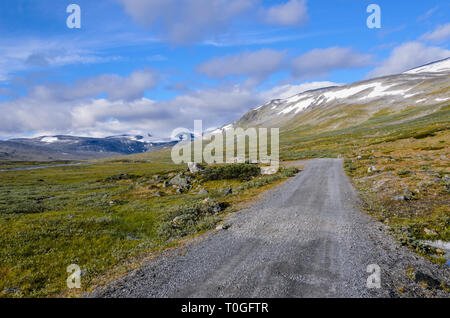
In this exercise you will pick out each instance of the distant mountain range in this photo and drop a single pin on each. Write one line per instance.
(310, 112)
(76, 148)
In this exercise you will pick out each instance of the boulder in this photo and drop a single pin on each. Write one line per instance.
(195, 167)
(269, 170)
(177, 221)
(408, 194)
(399, 198)
(429, 232)
(203, 191)
(225, 226)
(372, 169)
(228, 191)
(11, 290)
(179, 180)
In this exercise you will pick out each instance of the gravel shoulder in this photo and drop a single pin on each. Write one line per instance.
(306, 238)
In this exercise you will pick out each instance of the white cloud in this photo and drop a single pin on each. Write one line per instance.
(183, 21)
(44, 112)
(33, 54)
(255, 64)
(428, 14)
(292, 13)
(320, 62)
(407, 56)
(186, 21)
(440, 35)
(115, 86)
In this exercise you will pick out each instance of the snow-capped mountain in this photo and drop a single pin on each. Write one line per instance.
(422, 86)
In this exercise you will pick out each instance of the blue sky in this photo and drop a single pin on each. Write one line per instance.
(140, 66)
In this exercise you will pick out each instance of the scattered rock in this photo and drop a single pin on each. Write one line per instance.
(157, 194)
(195, 167)
(165, 184)
(179, 180)
(177, 221)
(399, 198)
(228, 191)
(225, 226)
(111, 202)
(380, 183)
(132, 236)
(11, 290)
(157, 178)
(430, 232)
(372, 169)
(408, 194)
(359, 157)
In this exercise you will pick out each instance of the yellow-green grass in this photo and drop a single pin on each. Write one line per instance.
(420, 165)
(51, 218)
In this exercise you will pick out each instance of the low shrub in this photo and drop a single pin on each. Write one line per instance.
(403, 173)
(191, 218)
(349, 166)
(258, 183)
(241, 171)
(288, 172)
(121, 176)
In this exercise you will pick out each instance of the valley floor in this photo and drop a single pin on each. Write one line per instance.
(307, 238)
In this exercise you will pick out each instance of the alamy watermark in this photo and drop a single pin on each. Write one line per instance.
(74, 279)
(237, 142)
(374, 20)
(74, 19)
(374, 280)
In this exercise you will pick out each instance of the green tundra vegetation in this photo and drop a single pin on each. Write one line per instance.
(100, 215)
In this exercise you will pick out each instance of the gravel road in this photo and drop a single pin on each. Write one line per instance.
(306, 238)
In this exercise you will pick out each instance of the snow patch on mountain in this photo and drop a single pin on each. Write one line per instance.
(299, 106)
(436, 67)
(49, 140)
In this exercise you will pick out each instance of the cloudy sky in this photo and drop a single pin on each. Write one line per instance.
(150, 66)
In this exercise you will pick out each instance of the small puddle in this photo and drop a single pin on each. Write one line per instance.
(445, 246)
(42, 167)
